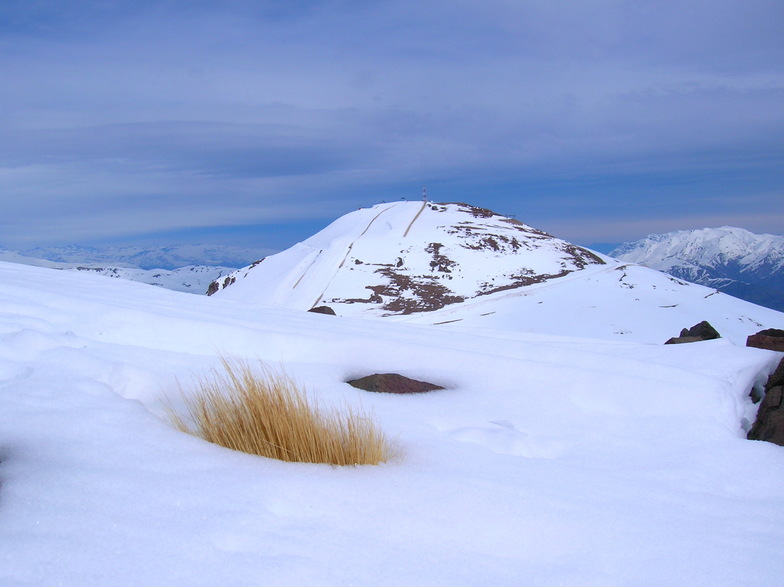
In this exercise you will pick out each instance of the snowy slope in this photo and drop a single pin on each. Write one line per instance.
(486, 272)
(548, 460)
(734, 260)
(407, 257)
(621, 302)
(191, 279)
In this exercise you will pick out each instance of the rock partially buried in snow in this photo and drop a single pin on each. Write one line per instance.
(769, 424)
(323, 310)
(771, 339)
(697, 333)
(392, 383)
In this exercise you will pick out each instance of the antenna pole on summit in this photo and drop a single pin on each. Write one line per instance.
(424, 194)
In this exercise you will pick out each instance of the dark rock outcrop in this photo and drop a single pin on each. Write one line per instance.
(217, 285)
(323, 310)
(771, 339)
(697, 333)
(392, 383)
(684, 339)
(769, 424)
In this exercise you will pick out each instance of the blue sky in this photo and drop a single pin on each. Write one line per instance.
(257, 122)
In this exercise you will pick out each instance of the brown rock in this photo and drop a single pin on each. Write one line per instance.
(777, 378)
(771, 339)
(323, 310)
(697, 333)
(392, 383)
(684, 339)
(769, 424)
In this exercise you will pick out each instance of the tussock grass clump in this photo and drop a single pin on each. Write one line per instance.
(265, 412)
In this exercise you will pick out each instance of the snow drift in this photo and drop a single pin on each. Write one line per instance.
(569, 446)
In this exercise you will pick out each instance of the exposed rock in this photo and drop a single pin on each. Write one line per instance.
(684, 339)
(769, 424)
(697, 333)
(771, 339)
(777, 378)
(218, 285)
(703, 330)
(323, 310)
(392, 383)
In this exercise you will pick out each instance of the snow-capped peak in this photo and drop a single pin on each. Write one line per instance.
(407, 257)
(744, 264)
(706, 247)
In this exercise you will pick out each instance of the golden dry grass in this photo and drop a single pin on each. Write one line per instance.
(266, 413)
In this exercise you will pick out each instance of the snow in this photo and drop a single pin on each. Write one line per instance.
(188, 278)
(743, 264)
(604, 298)
(623, 302)
(706, 248)
(141, 257)
(550, 459)
(404, 250)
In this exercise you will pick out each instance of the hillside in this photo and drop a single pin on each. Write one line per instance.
(733, 260)
(458, 266)
(407, 257)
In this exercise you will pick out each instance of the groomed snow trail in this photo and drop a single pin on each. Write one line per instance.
(424, 204)
(306, 269)
(348, 252)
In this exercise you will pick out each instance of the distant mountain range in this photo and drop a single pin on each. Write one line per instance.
(188, 268)
(732, 260)
(153, 257)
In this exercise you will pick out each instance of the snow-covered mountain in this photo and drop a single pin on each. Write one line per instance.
(408, 257)
(187, 268)
(191, 279)
(458, 267)
(733, 260)
(147, 257)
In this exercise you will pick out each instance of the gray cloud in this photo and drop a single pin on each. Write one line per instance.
(176, 114)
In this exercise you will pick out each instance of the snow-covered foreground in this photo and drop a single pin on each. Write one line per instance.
(549, 460)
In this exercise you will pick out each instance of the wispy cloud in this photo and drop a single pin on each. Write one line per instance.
(145, 116)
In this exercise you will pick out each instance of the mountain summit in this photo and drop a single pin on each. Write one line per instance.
(733, 260)
(407, 257)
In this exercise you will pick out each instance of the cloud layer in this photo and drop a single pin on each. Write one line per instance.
(121, 119)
